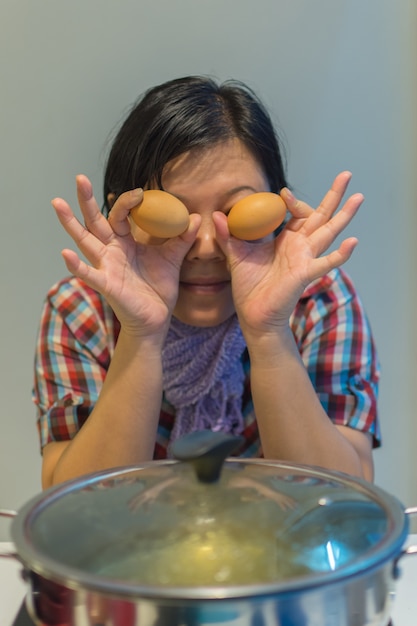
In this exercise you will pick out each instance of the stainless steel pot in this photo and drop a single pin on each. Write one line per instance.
(238, 543)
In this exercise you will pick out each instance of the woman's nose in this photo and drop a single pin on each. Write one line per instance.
(205, 245)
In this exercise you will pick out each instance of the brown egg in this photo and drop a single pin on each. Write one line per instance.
(161, 214)
(256, 216)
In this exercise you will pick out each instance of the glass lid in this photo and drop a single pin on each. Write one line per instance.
(199, 523)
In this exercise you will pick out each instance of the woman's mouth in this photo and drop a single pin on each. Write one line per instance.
(205, 287)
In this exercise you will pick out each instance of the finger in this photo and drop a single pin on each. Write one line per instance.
(119, 214)
(220, 223)
(88, 244)
(226, 242)
(79, 268)
(325, 234)
(94, 221)
(334, 196)
(302, 211)
(324, 264)
(117, 222)
(329, 203)
(297, 208)
(194, 224)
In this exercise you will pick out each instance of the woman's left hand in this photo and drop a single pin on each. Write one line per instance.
(269, 276)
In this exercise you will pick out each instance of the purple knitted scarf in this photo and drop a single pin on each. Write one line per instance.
(203, 376)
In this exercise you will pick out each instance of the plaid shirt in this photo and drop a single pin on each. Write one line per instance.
(78, 333)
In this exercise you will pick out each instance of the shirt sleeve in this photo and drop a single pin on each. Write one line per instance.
(73, 352)
(337, 347)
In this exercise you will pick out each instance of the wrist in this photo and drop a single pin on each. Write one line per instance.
(145, 339)
(272, 347)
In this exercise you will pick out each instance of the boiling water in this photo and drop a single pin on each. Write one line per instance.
(210, 558)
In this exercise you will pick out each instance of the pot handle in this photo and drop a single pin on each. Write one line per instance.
(409, 550)
(412, 510)
(7, 513)
(8, 555)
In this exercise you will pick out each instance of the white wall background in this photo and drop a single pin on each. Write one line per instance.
(340, 78)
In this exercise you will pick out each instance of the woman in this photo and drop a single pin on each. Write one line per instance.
(152, 338)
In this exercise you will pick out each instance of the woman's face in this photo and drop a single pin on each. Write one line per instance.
(207, 181)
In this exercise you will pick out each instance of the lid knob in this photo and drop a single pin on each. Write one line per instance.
(207, 451)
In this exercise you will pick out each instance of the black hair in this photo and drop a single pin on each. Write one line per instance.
(185, 113)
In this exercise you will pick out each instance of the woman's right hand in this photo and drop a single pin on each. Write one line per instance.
(140, 282)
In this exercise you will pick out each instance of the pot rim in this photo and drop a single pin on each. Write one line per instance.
(34, 561)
